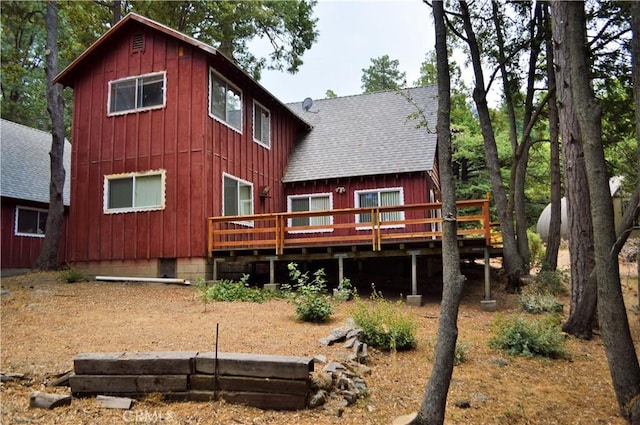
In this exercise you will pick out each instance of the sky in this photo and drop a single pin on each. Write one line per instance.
(351, 33)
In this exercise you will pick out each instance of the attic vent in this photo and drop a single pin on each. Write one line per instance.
(137, 43)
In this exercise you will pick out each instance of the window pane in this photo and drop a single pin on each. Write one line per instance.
(148, 191)
(300, 204)
(27, 221)
(261, 125)
(218, 97)
(151, 91)
(230, 196)
(369, 199)
(123, 95)
(121, 193)
(389, 199)
(246, 202)
(42, 222)
(234, 108)
(320, 203)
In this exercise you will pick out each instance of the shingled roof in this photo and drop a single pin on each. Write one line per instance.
(25, 165)
(368, 134)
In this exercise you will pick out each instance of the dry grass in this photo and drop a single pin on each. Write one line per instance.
(46, 323)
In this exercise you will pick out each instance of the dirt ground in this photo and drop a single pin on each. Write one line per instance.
(46, 323)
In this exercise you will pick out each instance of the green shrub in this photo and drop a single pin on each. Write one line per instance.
(385, 325)
(228, 290)
(310, 297)
(536, 248)
(71, 275)
(519, 337)
(345, 291)
(536, 301)
(554, 282)
(460, 355)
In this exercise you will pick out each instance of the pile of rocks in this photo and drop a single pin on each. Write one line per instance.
(341, 380)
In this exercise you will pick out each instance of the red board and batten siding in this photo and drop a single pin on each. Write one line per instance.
(20, 252)
(180, 138)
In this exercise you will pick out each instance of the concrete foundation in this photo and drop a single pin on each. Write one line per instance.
(488, 305)
(414, 300)
(272, 286)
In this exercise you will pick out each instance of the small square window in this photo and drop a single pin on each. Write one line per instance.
(237, 197)
(30, 222)
(379, 198)
(312, 202)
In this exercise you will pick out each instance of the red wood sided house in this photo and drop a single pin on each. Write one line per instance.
(182, 164)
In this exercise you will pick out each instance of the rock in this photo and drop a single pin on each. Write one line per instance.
(108, 402)
(322, 381)
(462, 404)
(48, 401)
(6, 377)
(355, 333)
(344, 383)
(61, 379)
(359, 369)
(333, 367)
(350, 397)
(360, 386)
(325, 341)
(404, 419)
(318, 399)
(319, 358)
(499, 362)
(479, 397)
(350, 342)
(339, 412)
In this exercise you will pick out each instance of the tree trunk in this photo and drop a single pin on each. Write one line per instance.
(635, 74)
(621, 355)
(48, 256)
(513, 260)
(582, 317)
(432, 410)
(553, 240)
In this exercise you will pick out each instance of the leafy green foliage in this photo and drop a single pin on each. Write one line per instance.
(71, 275)
(383, 74)
(230, 291)
(310, 297)
(519, 337)
(385, 325)
(460, 354)
(536, 248)
(345, 290)
(537, 302)
(554, 282)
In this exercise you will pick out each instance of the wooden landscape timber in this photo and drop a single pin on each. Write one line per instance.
(263, 381)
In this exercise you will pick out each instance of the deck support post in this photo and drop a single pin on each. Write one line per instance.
(487, 279)
(414, 298)
(272, 270)
(340, 258)
(487, 304)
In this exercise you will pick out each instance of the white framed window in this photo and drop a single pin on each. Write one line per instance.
(30, 222)
(311, 202)
(225, 101)
(261, 125)
(237, 197)
(135, 94)
(133, 192)
(385, 197)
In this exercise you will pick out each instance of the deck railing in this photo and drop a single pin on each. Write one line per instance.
(371, 225)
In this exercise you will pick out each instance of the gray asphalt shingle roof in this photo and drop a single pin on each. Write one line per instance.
(368, 134)
(24, 163)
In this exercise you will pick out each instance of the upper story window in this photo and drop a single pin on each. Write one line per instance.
(225, 101)
(134, 192)
(380, 198)
(137, 94)
(237, 197)
(30, 222)
(313, 202)
(261, 125)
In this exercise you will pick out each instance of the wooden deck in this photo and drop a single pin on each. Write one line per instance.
(373, 229)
